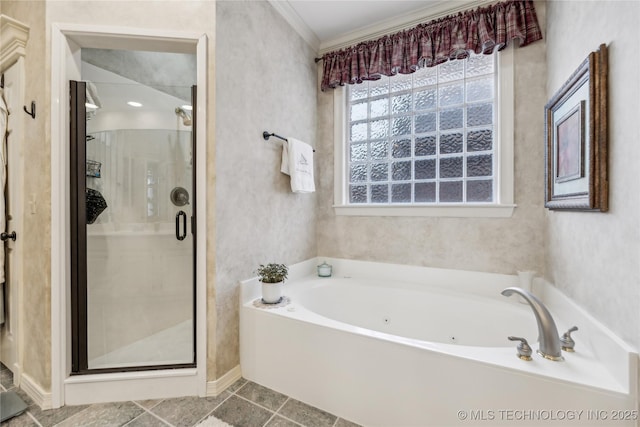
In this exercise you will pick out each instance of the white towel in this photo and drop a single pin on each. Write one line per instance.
(297, 162)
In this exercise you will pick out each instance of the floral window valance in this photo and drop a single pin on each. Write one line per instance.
(483, 30)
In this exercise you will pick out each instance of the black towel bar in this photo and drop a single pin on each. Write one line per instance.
(266, 135)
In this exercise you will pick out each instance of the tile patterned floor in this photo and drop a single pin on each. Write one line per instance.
(244, 404)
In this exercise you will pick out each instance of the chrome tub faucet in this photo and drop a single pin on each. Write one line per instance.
(549, 340)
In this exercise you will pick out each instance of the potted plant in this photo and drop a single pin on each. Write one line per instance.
(272, 277)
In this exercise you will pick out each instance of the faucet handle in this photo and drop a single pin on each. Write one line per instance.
(567, 342)
(524, 350)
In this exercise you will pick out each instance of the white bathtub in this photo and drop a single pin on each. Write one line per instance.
(389, 345)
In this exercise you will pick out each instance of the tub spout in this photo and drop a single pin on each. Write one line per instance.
(548, 337)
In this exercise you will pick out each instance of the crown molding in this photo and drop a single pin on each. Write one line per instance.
(283, 7)
(401, 22)
(13, 41)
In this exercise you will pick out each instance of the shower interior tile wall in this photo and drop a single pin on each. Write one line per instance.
(132, 253)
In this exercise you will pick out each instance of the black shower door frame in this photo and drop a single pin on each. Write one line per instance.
(78, 237)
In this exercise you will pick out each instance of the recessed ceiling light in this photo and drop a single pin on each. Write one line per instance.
(187, 107)
(134, 104)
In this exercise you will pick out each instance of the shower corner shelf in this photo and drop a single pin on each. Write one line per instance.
(93, 168)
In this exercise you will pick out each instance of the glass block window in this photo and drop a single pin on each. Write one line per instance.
(424, 138)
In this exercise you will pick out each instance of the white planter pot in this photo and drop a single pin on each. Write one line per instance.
(272, 292)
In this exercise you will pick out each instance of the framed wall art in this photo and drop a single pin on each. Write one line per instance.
(576, 139)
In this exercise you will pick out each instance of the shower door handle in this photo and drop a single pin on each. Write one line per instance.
(181, 236)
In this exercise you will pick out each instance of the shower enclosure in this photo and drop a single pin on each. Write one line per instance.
(132, 221)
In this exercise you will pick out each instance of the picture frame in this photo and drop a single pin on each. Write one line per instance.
(576, 173)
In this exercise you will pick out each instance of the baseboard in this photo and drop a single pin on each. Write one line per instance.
(35, 392)
(216, 387)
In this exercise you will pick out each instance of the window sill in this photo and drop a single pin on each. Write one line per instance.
(443, 211)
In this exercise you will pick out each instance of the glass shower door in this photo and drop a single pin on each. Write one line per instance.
(139, 244)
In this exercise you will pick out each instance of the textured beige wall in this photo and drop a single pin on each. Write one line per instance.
(36, 237)
(595, 257)
(265, 81)
(490, 244)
